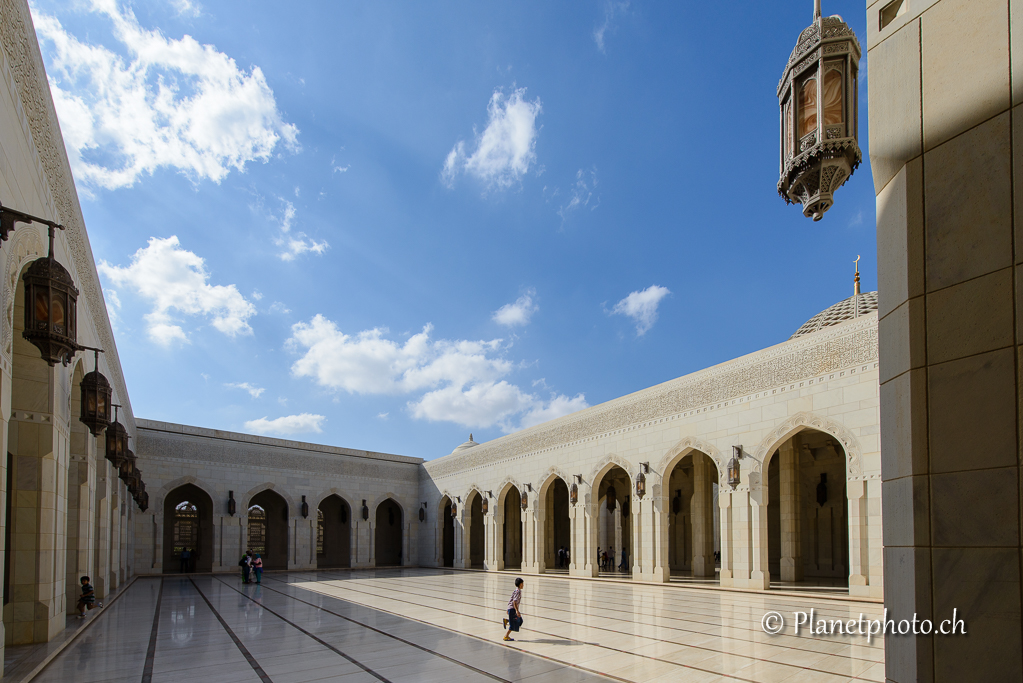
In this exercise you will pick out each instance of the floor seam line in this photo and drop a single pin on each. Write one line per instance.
(238, 643)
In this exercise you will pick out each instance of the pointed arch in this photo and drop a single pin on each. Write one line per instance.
(268, 486)
(505, 487)
(162, 492)
(315, 500)
(605, 464)
(808, 420)
(684, 448)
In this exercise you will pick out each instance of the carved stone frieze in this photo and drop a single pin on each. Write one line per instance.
(22, 56)
(837, 348)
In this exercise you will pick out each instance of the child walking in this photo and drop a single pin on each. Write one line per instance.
(514, 619)
(88, 599)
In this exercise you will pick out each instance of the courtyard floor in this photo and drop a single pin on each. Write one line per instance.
(423, 625)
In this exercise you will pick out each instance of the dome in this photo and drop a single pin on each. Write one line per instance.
(466, 446)
(843, 311)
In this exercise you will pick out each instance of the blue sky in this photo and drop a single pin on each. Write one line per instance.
(385, 225)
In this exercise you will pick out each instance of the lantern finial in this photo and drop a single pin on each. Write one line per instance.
(856, 278)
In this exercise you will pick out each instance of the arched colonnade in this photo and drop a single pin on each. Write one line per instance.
(333, 533)
(798, 514)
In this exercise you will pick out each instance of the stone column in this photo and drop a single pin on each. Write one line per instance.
(701, 509)
(616, 517)
(650, 538)
(490, 550)
(581, 552)
(498, 539)
(591, 520)
(38, 562)
(789, 475)
(727, 552)
(463, 535)
(532, 562)
(101, 538)
(760, 573)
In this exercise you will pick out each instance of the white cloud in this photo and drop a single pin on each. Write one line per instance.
(254, 391)
(382, 416)
(642, 307)
(611, 8)
(558, 406)
(517, 313)
(455, 381)
(506, 147)
(293, 245)
(289, 424)
(175, 279)
(187, 8)
(171, 103)
(582, 192)
(279, 307)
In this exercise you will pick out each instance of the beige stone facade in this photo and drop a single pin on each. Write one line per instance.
(945, 90)
(64, 511)
(814, 399)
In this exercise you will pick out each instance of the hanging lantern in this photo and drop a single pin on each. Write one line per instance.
(97, 396)
(232, 505)
(454, 509)
(733, 472)
(365, 510)
(640, 485)
(422, 513)
(525, 501)
(573, 494)
(486, 505)
(50, 309)
(117, 441)
(143, 501)
(817, 95)
(127, 465)
(676, 502)
(625, 507)
(304, 508)
(611, 500)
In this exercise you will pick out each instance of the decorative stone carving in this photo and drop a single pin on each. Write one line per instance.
(687, 444)
(831, 350)
(854, 462)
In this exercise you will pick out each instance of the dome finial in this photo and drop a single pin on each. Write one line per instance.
(856, 278)
(470, 436)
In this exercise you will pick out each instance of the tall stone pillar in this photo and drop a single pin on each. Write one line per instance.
(650, 538)
(616, 520)
(789, 474)
(101, 537)
(727, 552)
(701, 509)
(463, 535)
(760, 573)
(581, 552)
(38, 556)
(946, 164)
(592, 529)
(532, 562)
(491, 552)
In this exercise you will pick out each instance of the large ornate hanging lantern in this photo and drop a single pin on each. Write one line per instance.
(611, 498)
(486, 505)
(640, 485)
(143, 501)
(97, 396)
(117, 441)
(817, 95)
(50, 308)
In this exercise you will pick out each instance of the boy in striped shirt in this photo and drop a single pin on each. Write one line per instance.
(514, 619)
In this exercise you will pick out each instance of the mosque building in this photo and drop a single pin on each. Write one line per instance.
(761, 473)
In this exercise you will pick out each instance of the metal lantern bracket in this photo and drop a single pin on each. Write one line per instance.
(10, 217)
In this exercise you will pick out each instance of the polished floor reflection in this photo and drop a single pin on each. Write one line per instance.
(433, 625)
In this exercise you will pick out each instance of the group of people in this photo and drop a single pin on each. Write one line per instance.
(606, 560)
(563, 557)
(252, 567)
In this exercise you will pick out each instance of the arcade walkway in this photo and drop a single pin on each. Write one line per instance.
(426, 625)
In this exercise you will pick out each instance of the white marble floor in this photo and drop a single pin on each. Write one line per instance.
(433, 625)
